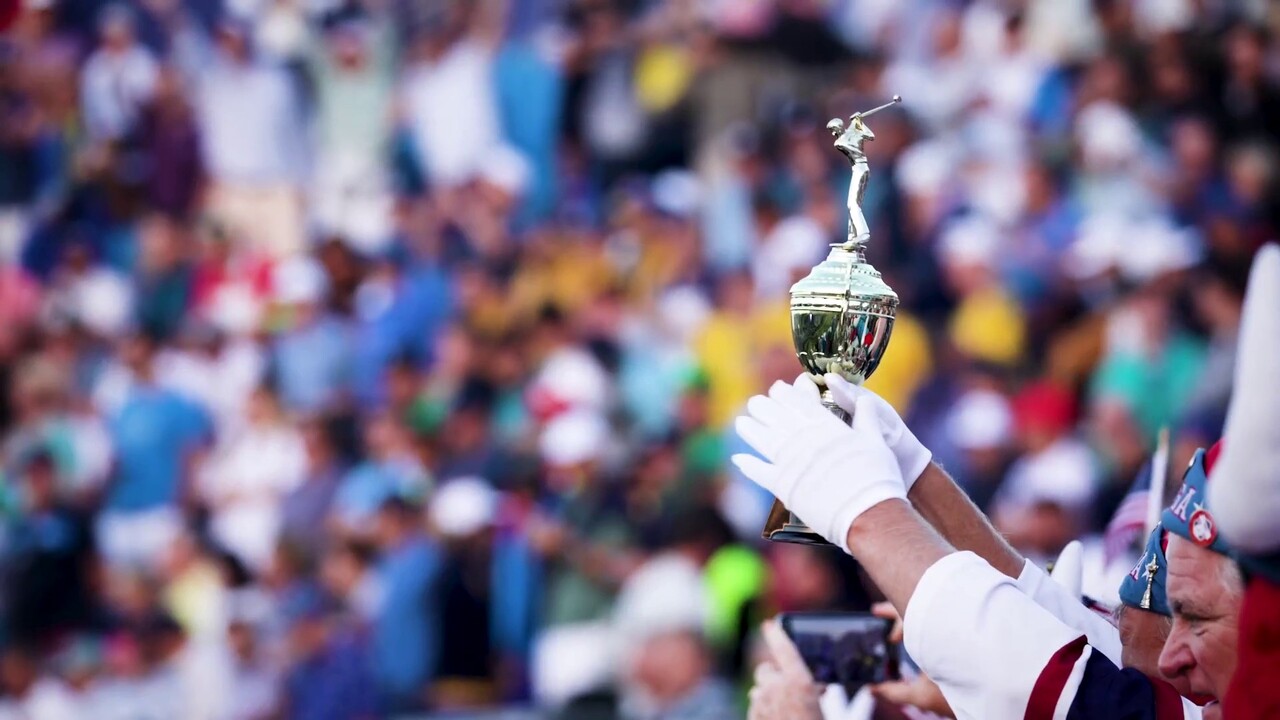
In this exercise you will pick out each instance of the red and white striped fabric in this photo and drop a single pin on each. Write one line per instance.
(1056, 687)
(1079, 683)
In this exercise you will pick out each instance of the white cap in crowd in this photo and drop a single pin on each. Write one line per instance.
(463, 506)
(299, 280)
(980, 420)
(573, 438)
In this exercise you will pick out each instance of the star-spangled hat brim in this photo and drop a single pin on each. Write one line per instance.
(1133, 588)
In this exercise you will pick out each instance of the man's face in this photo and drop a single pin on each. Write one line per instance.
(1142, 636)
(233, 42)
(42, 485)
(117, 34)
(670, 666)
(1201, 648)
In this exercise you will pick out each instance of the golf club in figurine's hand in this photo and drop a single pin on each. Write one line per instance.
(824, 471)
(913, 457)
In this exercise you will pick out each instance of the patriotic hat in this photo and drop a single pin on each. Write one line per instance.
(1143, 587)
(1188, 516)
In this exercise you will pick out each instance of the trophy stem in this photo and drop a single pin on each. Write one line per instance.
(829, 402)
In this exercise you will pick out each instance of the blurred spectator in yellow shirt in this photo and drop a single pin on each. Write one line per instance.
(987, 323)
(737, 334)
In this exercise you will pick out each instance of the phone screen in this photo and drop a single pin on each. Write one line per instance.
(849, 649)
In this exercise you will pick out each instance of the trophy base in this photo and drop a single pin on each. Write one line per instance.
(784, 526)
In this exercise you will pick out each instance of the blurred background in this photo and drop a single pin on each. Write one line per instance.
(369, 359)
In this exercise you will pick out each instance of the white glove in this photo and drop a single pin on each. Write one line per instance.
(824, 471)
(1068, 570)
(912, 457)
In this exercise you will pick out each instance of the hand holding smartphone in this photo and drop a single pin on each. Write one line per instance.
(848, 649)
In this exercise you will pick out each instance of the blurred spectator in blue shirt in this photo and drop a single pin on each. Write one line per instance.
(306, 508)
(399, 309)
(312, 358)
(406, 625)
(155, 431)
(390, 469)
(329, 678)
(530, 96)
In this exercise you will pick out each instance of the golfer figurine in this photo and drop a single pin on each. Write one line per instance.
(849, 142)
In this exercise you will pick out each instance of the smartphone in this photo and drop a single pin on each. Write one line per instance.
(849, 649)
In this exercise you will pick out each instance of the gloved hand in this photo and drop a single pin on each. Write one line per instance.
(824, 471)
(912, 457)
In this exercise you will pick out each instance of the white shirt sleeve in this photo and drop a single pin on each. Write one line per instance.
(984, 642)
(1102, 635)
(996, 653)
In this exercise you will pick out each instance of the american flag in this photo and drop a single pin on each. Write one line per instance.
(1130, 518)
(1140, 510)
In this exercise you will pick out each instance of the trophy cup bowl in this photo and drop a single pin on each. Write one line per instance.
(841, 317)
(841, 320)
(842, 314)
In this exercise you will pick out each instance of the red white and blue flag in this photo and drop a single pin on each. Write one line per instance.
(1139, 512)
(1130, 518)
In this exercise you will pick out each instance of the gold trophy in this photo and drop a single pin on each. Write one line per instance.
(842, 312)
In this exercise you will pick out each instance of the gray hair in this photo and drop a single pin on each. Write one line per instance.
(1122, 608)
(1231, 577)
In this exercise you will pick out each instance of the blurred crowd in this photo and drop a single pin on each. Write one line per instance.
(375, 357)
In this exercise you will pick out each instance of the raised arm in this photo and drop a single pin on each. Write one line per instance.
(941, 502)
(949, 510)
(991, 648)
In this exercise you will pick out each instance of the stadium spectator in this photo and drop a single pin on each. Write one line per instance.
(276, 277)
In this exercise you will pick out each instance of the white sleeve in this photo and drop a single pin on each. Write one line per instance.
(984, 642)
(1037, 585)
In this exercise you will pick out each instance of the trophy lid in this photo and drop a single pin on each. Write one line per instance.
(844, 273)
